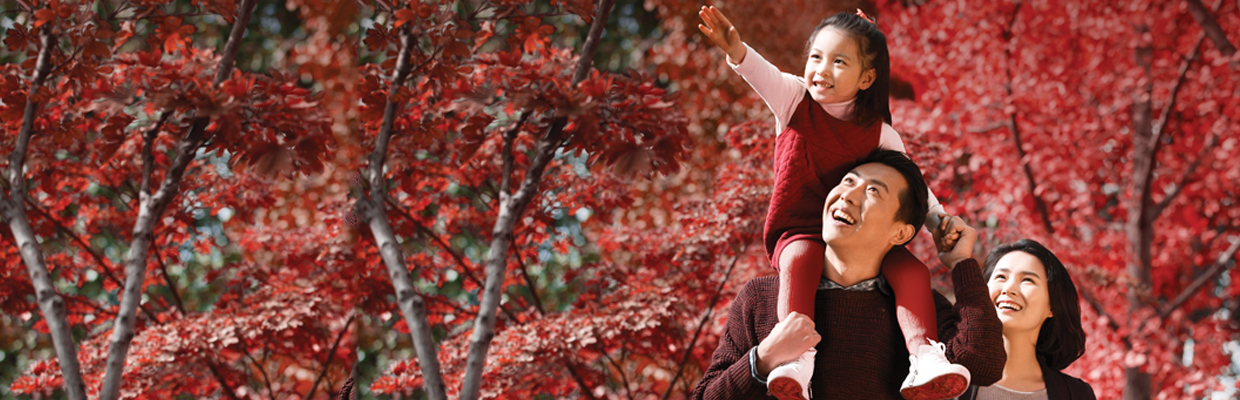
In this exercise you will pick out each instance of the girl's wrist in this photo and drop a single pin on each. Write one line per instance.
(735, 59)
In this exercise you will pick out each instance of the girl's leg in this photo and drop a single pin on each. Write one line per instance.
(931, 376)
(910, 280)
(800, 269)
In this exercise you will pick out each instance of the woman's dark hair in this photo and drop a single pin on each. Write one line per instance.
(1061, 339)
(872, 104)
(914, 199)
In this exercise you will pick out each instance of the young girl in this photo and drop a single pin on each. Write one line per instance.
(833, 115)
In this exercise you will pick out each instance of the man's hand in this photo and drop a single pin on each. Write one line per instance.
(955, 241)
(790, 337)
(720, 30)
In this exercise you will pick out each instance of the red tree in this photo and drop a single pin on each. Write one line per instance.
(1103, 131)
(529, 115)
(135, 147)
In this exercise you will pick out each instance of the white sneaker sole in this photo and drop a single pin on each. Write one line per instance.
(944, 387)
(785, 388)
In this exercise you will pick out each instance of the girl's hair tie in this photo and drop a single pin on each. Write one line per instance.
(862, 15)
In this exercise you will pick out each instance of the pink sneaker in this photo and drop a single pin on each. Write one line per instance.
(932, 377)
(790, 381)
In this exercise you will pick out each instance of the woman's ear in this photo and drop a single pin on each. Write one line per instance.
(867, 78)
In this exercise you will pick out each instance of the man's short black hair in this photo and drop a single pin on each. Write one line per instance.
(913, 200)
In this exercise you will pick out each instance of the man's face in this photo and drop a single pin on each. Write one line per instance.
(861, 210)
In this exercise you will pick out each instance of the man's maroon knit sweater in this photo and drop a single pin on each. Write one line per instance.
(862, 353)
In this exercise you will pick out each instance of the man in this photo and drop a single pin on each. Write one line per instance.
(861, 353)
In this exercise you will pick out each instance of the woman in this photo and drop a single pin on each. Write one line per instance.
(1041, 316)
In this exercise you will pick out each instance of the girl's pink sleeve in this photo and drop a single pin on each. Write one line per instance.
(890, 139)
(781, 91)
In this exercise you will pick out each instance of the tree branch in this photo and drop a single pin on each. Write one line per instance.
(1097, 306)
(1175, 89)
(568, 365)
(151, 207)
(266, 379)
(1038, 202)
(702, 323)
(148, 156)
(13, 207)
(989, 127)
(81, 243)
(330, 353)
(181, 307)
(172, 287)
(1210, 25)
(224, 387)
(107, 272)
(372, 209)
(1201, 280)
(623, 376)
(509, 137)
(425, 231)
(581, 382)
(1188, 173)
(529, 282)
(459, 259)
(511, 208)
(1147, 141)
(1146, 212)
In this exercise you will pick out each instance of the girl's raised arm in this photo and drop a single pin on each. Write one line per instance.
(781, 91)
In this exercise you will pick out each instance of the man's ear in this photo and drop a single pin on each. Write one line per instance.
(867, 78)
(903, 235)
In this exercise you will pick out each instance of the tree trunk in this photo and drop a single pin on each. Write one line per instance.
(373, 209)
(13, 207)
(1137, 227)
(151, 208)
(510, 209)
(1142, 211)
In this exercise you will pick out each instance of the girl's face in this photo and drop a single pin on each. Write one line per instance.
(833, 71)
(1018, 289)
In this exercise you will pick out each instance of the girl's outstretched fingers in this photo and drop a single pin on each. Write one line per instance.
(720, 31)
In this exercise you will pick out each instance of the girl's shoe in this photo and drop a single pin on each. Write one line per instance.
(790, 381)
(932, 377)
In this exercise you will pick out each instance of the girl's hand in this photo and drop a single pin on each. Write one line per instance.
(790, 337)
(944, 235)
(962, 246)
(720, 30)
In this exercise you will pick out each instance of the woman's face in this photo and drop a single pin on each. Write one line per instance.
(1018, 289)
